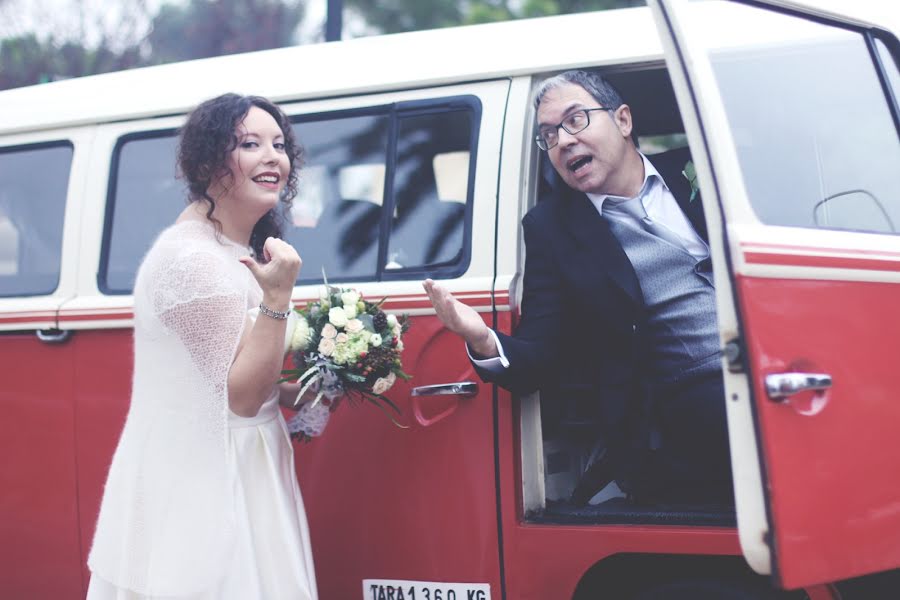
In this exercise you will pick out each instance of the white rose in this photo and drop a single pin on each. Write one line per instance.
(397, 330)
(399, 345)
(329, 331)
(382, 384)
(326, 346)
(341, 338)
(354, 325)
(350, 298)
(391, 378)
(392, 320)
(337, 316)
(300, 335)
(375, 340)
(350, 311)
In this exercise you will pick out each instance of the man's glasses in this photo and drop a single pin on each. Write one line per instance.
(548, 137)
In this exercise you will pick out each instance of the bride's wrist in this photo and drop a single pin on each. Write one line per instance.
(277, 303)
(274, 313)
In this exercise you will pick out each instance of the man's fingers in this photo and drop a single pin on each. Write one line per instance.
(436, 293)
(428, 285)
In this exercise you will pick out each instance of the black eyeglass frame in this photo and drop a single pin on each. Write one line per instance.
(539, 139)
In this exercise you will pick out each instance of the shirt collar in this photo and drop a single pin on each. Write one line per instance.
(650, 175)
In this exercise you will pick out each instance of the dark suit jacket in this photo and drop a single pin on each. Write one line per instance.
(580, 339)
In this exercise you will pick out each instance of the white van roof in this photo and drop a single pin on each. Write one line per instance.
(377, 63)
(422, 58)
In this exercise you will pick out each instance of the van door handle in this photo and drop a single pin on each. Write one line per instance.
(780, 386)
(460, 388)
(53, 336)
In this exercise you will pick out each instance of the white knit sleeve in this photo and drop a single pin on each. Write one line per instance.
(197, 298)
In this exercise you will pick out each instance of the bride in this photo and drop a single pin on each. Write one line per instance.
(201, 500)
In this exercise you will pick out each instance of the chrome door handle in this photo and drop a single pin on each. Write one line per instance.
(782, 385)
(53, 336)
(460, 388)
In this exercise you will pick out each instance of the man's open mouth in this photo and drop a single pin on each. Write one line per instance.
(579, 162)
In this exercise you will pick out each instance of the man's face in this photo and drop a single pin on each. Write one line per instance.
(592, 159)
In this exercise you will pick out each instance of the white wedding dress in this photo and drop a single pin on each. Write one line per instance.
(200, 504)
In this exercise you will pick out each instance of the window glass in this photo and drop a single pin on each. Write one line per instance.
(337, 213)
(33, 185)
(430, 189)
(815, 138)
(656, 144)
(146, 198)
(336, 221)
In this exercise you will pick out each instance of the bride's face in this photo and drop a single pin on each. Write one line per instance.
(259, 164)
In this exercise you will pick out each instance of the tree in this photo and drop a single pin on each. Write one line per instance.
(393, 16)
(204, 28)
(86, 44)
(26, 60)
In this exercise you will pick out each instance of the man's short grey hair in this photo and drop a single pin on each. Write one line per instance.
(593, 84)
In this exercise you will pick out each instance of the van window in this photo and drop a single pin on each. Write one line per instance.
(411, 159)
(813, 129)
(337, 213)
(144, 198)
(33, 185)
(431, 189)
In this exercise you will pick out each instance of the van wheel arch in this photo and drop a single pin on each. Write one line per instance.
(677, 577)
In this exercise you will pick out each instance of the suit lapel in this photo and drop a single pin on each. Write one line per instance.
(598, 250)
(670, 166)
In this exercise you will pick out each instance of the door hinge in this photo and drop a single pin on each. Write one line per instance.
(734, 355)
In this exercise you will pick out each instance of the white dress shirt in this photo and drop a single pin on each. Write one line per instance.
(661, 207)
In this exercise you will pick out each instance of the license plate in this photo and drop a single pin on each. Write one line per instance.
(396, 589)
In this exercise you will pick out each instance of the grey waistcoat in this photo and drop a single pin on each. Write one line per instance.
(680, 299)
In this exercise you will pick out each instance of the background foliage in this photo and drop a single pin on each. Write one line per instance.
(136, 36)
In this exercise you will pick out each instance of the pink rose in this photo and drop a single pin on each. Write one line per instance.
(326, 346)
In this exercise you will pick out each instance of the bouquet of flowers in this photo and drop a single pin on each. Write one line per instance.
(343, 346)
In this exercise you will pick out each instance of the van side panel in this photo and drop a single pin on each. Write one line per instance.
(39, 537)
(102, 374)
(413, 503)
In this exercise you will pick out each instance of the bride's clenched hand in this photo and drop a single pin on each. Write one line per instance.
(276, 276)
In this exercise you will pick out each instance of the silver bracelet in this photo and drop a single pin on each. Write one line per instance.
(275, 314)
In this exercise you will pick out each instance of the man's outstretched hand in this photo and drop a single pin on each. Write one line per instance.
(461, 319)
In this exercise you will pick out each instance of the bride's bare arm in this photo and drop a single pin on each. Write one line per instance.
(260, 358)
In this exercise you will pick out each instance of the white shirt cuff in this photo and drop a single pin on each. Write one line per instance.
(495, 364)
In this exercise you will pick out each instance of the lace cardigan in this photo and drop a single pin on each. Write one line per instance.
(167, 519)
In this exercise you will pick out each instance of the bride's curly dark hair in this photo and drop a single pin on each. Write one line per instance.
(206, 140)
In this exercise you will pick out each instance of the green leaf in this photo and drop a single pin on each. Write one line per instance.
(404, 376)
(387, 401)
(689, 172)
(368, 321)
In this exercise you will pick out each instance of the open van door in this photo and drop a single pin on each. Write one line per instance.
(792, 119)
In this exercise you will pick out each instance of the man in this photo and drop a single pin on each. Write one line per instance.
(618, 303)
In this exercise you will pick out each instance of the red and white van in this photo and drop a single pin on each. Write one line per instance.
(421, 164)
